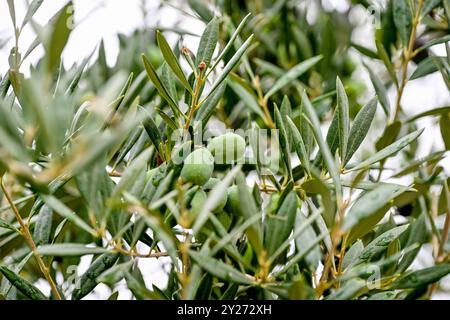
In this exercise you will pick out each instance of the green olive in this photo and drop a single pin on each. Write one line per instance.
(227, 148)
(223, 199)
(198, 167)
(233, 199)
(197, 203)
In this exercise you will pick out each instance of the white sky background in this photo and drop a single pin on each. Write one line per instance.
(103, 19)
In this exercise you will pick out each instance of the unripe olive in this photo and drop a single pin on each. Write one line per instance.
(198, 167)
(227, 148)
(233, 199)
(223, 197)
(197, 203)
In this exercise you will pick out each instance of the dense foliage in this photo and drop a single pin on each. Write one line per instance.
(248, 168)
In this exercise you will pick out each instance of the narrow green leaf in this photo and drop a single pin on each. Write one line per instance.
(207, 108)
(403, 20)
(283, 138)
(169, 81)
(116, 273)
(344, 118)
(65, 212)
(29, 290)
(352, 253)
(434, 42)
(370, 202)
(389, 150)
(248, 209)
(325, 151)
(432, 112)
(69, 249)
(365, 51)
(230, 65)
(382, 53)
(220, 269)
(153, 76)
(299, 146)
(171, 60)
(60, 35)
(426, 67)
(360, 128)
(352, 289)
(230, 43)
(428, 6)
(421, 277)
(12, 12)
(444, 125)
(88, 280)
(307, 239)
(152, 130)
(279, 226)
(167, 119)
(416, 164)
(208, 43)
(201, 8)
(380, 90)
(332, 137)
(32, 8)
(292, 75)
(6, 225)
(379, 244)
(247, 97)
(131, 173)
(43, 226)
(418, 234)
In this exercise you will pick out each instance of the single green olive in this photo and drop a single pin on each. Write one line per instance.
(233, 199)
(227, 148)
(198, 167)
(223, 197)
(197, 203)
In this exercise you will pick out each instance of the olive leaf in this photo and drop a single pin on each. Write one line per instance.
(389, 150)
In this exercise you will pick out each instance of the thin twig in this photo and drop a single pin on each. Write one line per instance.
(407, 56)
(25, 231)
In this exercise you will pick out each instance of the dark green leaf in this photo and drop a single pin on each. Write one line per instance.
(389, 150)
(230, 65)
(208, 43)
(220, 269)
(403, 20)
(444, 124)
(43, 226)
(153, 76)
(29, 290)
(88, 280)
(171, 60)
(360, 128)
(369, 204)
(421, 277)
(60, 35)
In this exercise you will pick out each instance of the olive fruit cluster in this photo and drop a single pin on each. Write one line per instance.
(198, 168)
